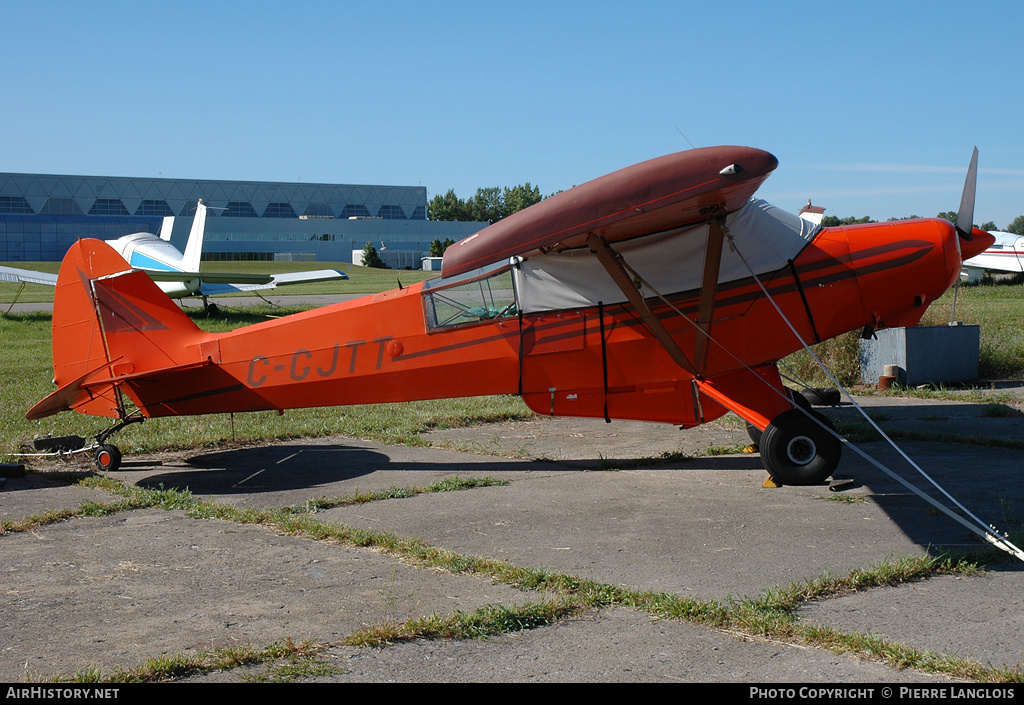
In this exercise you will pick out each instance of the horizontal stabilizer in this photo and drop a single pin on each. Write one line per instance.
(75, 396)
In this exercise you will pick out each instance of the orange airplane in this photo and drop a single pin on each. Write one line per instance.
(660, 292)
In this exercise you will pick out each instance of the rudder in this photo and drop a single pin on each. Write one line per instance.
(108, 321)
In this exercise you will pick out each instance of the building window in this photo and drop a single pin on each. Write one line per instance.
(14, 204)
(318, 210)
(108, 206)
(60, 206)
(419, 214)
(239, 209)
(355, 211)
(391, 213)
(158, 208)
(279, 210)
(238, 257)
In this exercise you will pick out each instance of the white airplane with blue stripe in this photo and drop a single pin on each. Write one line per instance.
(177, 273)
(1004, 257)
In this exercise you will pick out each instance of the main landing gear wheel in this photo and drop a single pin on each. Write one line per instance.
(797, 451)
(108, 458)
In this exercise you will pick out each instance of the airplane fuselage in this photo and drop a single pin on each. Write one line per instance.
(147, 251)
(591, 361)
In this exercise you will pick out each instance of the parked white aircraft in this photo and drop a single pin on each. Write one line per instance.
(177, 273)
(1006, 256)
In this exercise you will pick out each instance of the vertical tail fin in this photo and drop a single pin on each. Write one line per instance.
(108, 321)
(166, 228)
(194, 248)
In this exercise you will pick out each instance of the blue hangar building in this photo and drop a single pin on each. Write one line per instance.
(42, 215)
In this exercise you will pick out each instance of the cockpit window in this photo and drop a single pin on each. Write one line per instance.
(484, 297)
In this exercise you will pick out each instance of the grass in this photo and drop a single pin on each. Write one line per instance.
(999, 310)
(712, 451)
(773, 615)
(487, 621)
(300, 661)
(448, 484)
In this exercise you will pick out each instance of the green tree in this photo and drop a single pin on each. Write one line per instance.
(1017, 226)
(831, 221)
(487, 205)
(371, 258)
(448, 207)
(951, 217)
(436, 248)
(519, 197)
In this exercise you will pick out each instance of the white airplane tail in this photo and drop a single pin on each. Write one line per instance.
(167, 228)
(194, 247)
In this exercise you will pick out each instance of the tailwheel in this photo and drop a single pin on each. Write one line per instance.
(797, 451)
(108, 458)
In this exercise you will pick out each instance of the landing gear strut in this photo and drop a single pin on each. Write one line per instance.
(107, 455)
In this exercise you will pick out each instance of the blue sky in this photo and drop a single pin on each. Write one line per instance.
(871, 107)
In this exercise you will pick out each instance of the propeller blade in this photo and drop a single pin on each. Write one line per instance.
(965, 216)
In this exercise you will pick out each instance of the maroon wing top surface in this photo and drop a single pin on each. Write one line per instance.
(652, 196)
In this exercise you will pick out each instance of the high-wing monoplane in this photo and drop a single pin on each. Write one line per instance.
(661, 292)
(177, 273)
(1004, 257)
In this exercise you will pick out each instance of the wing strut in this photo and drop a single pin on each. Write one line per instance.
(708, 289)
(612, 262)
(16, 297)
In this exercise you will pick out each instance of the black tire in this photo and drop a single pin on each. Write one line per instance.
(818, 396)
(65, 443)
(797, 451)
(108, 458)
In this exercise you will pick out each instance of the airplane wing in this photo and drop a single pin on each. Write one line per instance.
(27, 276)
(228, 283)
(651, 197)
(664, 222)
(212, 282)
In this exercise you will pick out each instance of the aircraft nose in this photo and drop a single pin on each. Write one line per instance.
(979, 242)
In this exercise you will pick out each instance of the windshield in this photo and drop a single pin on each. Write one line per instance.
(482, 296)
